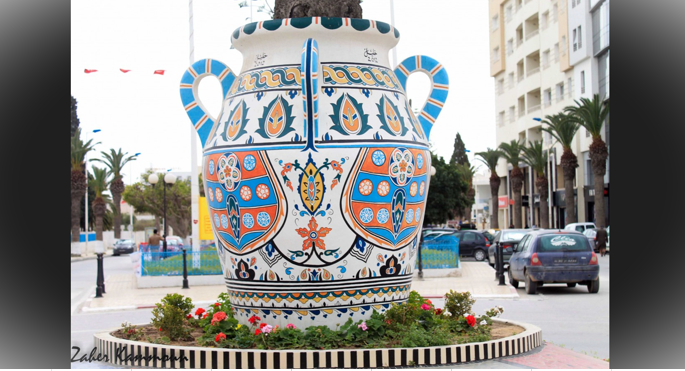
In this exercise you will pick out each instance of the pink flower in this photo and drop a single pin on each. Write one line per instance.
(218, 317)
(267, 329)
(363, 326)
(425, 307)
(290, 326)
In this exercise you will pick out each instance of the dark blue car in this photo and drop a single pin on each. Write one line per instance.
(554, 256)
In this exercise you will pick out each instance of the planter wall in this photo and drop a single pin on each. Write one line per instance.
(205, 358)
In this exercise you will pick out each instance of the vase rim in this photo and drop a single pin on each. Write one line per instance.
(330, 23)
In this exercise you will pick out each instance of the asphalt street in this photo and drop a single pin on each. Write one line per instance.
(569, 317)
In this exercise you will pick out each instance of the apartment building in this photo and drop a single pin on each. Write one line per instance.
(535, 71)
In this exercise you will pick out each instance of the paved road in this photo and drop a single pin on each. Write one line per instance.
(569, 317)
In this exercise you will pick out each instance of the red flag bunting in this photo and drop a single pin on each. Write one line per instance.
(123, 70)
(89, 71)
(159, 72)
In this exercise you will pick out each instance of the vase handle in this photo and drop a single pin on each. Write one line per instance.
(439, 86)
(202, 120)
(310, 91)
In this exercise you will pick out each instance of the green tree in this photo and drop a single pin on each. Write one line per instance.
(512, 152)
(490, 159)
(459, 152)
(79, 149)
(469, 197)
(147, 198)
(74, 116)
(591, 114)
(536, 157)
(99, 185)
(564, 128)
(446, 191)
(317, 8)
(115, 162)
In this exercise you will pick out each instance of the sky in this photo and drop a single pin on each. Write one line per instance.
(141, 112)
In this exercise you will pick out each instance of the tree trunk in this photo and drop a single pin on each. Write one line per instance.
(78, 189)
(494, 196)
(117, 188)
(317, 8)
(569, 163)
(516, 185)
(598, 158)
(471, 195)
(541, 183)
(99, 209)
(157, 226)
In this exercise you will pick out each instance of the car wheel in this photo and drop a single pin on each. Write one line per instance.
(479, 255)
(573, 284)
(512, 281)
(593, 287)
(115, 254)
(531, 287)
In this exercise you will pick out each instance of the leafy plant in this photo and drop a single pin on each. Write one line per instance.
(131, 332)
(170, 316)
(458, 303)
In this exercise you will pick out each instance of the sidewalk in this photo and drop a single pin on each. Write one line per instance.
(90, 256)
(122, 294)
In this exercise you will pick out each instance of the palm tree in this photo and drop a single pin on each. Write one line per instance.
(591, 115)
(79, 149)
(490, 159)
(115, 162)
(468, 172)
(564, 128)
(512, 152)
(536, 158)
(99, 184)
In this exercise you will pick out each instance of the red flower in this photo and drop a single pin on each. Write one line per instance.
(262, 325)
(257, 331)
(438, 311)
(218, 317)
(199, 311)
(131, 331)
(205, 316)
(189, 316)
(429, 301)
(217, 304)
(471, 320)
(221, 336)
(387, 321)
(313, 235)
(253, 319)
(160, 329)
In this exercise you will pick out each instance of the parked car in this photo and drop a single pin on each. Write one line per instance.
(489, 236)
(123, 247)
(174, 244)
(435, 232)
(471, 243)
(608, 239)
(579, 227)
(554, 256)
(509, 238)
(591, 235)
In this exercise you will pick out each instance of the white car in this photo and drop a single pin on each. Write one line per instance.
(579, 227)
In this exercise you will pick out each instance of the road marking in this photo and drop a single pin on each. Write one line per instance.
(81, 297)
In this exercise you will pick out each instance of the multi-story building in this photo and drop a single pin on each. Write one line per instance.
(536, 71)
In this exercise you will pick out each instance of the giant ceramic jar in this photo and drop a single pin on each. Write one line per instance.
(316, 171)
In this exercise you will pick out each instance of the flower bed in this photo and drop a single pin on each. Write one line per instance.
(411, 333)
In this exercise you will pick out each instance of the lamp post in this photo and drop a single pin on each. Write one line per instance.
(85, 160)
(130, 181)
(168, 179)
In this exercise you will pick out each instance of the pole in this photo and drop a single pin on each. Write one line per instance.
(420, 261)
(86, 169)
(194, 183)
(165, 231)
(98, 280)
(500, 264)
(392, 22)
(185, 271)
(101, 267)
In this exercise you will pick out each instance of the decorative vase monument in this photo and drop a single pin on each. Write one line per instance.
(317, 170)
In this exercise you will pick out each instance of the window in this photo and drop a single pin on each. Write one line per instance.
(582, 82)
(507, 13)
(525, 243)
(470, 236)
(500, 86)
(500, 119)
(575, 40)
(563, 45)
(547, 97)
(569, 86)
(580, 37)
(555, 11)
(573, 3)
(563, 242)
(511, 80)
(495, 22)
(495, 55)
(556, 52)
(510, 46)
(560, 91)
(512, 114)
(544, 20)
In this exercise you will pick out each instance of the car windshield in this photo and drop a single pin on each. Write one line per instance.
(121, 242)
(590, 232)
(561, 243)
(512, 236)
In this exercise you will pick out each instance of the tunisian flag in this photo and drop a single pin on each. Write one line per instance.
(89, 71)
(123, 70)
(159, 72)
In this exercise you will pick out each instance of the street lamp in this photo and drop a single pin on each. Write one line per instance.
(168, 179)
(85, 160)
(130, 181)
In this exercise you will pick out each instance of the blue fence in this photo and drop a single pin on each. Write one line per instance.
(171, 263)
(440, 253)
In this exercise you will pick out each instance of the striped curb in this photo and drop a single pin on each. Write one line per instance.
(133, 353)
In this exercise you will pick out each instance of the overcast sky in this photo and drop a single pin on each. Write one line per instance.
(142, 112)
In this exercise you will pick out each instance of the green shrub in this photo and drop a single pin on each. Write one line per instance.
(458, 303)
(170, 316)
